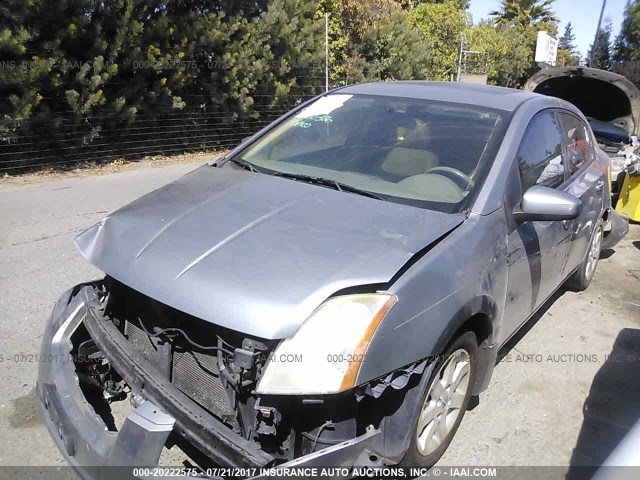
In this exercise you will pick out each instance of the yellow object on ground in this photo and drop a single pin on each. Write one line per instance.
(629, 201)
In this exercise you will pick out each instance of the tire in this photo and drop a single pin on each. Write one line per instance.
(425, 448)
(581, 279)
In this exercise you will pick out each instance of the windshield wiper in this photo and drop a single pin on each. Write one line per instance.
(342, 187)
(244, 164)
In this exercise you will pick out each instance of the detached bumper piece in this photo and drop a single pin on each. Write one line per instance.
(619, 230)
(97, 451)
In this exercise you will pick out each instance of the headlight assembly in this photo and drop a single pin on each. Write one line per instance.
(325, 354)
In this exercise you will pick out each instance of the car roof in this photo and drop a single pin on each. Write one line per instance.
(501, 98)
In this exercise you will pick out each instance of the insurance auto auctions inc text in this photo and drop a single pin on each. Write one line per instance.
(377, 472)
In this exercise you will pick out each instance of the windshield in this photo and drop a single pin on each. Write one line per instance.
(425, 153)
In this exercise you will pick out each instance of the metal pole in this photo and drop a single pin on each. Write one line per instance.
(326, 51)
(595, 40)
(460, 60)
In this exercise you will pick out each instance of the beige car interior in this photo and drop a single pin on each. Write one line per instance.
(411, 158)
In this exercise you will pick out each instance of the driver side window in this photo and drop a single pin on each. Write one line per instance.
(540, 155)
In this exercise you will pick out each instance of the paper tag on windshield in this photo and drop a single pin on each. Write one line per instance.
(324, 106)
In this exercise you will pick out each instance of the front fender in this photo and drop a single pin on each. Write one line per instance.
(463, 278)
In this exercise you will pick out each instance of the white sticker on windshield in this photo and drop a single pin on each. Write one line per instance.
(324, 106)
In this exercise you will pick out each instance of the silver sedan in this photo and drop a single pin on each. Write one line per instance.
(335, 290)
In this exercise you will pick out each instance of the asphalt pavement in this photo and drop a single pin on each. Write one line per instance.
(565, 394)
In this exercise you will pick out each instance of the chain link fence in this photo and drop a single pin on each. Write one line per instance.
(107, 137)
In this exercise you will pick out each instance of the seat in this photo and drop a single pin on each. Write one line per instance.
(432, 187)
(411, 156)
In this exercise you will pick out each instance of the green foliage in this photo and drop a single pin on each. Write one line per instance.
(602, 47)
(568, 39)
(374, 40)
(510, 52)
(567, 59)
(568, 55)
(78, 71)
(627, 44)
(522, 13)
(443, 24)
(394, 50)
(457, 4)
(82, 69)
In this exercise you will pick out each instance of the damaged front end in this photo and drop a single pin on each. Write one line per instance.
(143, 384)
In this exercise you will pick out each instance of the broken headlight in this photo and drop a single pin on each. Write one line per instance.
(325, 354)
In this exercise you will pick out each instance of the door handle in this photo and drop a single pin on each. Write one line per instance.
(599, 187)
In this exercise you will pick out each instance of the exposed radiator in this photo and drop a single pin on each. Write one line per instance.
(193, 372)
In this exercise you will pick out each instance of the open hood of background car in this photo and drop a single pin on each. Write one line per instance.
(600, 95)
(253, 252)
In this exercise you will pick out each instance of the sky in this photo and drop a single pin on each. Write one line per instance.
(583, 15)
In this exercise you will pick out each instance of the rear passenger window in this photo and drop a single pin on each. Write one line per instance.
(578, 141)
(540, 155)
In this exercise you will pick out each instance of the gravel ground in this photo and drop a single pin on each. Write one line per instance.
(563, 395)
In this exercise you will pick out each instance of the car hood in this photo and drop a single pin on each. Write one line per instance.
(601, 95)
(253, 252)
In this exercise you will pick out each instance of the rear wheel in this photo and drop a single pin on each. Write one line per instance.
(444, 403)
(581, 279)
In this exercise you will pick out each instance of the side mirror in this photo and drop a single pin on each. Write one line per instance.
(547, 204)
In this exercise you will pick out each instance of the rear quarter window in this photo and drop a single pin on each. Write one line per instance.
(579, 148)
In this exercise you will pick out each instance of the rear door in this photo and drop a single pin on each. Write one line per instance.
(585, 181)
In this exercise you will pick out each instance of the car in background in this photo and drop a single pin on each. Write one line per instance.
(334, 290)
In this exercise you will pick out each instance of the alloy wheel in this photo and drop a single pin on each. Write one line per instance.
(594, 253)
(443, 403)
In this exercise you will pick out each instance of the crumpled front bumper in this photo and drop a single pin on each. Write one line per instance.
(97, 453)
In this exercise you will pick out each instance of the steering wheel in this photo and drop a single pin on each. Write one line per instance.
(457, 174)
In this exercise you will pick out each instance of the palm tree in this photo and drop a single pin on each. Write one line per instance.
(524, 12)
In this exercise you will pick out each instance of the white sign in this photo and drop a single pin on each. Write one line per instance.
(546, 48)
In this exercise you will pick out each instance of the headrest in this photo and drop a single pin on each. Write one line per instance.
(418, 138)
(405, 162)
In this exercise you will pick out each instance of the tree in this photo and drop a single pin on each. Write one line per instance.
(292, 44)
(374, 40)
(627, 44)
(523, 12)
(568, 55)
(84, 70)
(510, 52)
(567, 41)
(458, 4)
(21, 70)
(394, 50)
(601, 50)
(443, 24)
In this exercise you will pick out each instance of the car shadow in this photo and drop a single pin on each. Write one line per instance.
(612, 406)
(608, 253)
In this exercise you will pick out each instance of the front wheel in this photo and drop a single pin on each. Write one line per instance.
(444, 403)
(581, 279)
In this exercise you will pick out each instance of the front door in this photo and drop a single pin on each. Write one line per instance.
(536, 251)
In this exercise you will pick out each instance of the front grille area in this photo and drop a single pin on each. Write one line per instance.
(196, 374)
(193, 372)
(190, 351)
